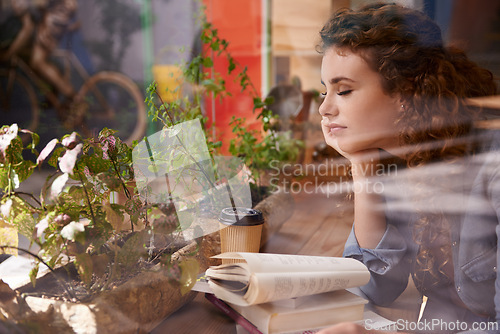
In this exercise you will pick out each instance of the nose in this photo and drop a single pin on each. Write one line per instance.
(328, 107)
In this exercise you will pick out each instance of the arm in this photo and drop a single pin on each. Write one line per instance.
(379, 244)
(387, 263)
(369, 215)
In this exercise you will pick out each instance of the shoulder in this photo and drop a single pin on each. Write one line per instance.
(487, 157)
(487, 140)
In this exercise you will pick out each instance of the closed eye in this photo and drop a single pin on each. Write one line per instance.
(344, 92)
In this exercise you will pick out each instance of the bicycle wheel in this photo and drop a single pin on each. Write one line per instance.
(112, 100)
(18, 101)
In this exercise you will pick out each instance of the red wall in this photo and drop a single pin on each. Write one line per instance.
(240, 24)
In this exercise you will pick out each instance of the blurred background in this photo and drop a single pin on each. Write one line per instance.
(146, 40)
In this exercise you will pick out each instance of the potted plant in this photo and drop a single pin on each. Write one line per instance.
(79, 227)
(96, 222)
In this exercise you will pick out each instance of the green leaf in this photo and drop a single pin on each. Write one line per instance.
(54, 159)
(95, 164)
(4, 177)
(33, 274)
(231, 66)
(76, 193)
(14, 152)
(189, 273)
(113, 216)
(207, 62)
(110, 180)
(22, 216)
(24, 169)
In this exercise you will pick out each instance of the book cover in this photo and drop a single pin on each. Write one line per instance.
(312, 312)
(241, 321)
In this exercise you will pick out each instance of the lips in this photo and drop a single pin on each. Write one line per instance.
(334, 127)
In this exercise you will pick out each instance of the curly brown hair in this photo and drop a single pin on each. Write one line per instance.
(405, 47)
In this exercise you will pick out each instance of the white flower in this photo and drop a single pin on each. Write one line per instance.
(15, 179)
(68, 160)
(85, 221)
(6, 137)
(5, 208)
(70, 140)
(70, 231)
(58, 184)
(47, 150)
(41, 226)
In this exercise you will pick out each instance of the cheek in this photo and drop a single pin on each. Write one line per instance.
(381, 118)
(387, 120)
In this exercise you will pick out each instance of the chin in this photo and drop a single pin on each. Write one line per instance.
(351, 147)
(331, 142)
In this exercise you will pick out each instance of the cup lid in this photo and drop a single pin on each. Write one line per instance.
(241, 216)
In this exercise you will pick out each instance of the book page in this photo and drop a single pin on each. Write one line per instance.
(221, 272)
(265, 287)
(282, 276)
(266, 262)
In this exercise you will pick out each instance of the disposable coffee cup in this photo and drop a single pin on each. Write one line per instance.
(241, 230)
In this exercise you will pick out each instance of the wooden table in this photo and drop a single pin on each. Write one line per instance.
(319, 226)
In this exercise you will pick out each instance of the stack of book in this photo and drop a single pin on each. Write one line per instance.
(280, 293)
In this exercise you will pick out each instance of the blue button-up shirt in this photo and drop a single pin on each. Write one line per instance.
(467, 193)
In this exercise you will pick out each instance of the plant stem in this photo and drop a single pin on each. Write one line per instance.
(164, 104)
(127, 193)
(9, 172)
(86, 194)
(125, 190)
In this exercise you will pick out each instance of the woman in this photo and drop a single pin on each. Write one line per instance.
(394, 91)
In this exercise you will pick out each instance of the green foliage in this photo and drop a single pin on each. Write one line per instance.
(258, 148)
(75, 216)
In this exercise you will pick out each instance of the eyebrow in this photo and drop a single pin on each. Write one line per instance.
(337, 80)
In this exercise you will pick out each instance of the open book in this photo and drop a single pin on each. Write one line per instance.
(264, 277)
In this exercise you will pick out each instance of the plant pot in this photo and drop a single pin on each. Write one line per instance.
(136, 306)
